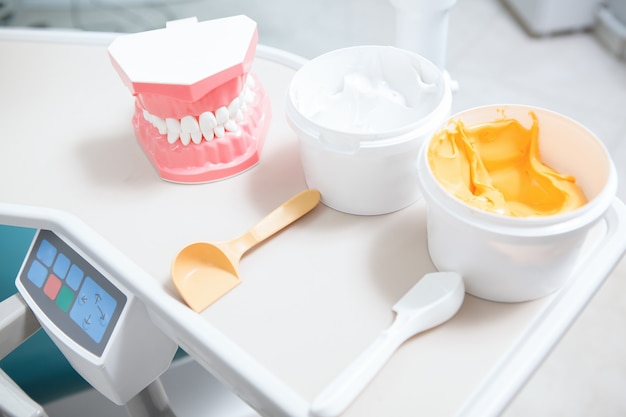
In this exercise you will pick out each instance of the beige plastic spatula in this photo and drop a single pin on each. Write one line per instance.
(203, 272)
(433, 300)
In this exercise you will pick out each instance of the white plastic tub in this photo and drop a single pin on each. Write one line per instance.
(513, 259)
(364, 162)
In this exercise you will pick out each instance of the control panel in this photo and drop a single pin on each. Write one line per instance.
(104, 330)
(76, 297)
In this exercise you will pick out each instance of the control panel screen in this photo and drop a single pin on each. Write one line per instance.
(74, 295)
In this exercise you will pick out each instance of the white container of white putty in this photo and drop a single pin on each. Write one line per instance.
(361, 115)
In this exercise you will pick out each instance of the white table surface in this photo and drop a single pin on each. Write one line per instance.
(311, 298)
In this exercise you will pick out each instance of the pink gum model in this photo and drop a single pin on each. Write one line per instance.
(200, 115)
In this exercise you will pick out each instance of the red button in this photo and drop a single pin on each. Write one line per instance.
(52, 286)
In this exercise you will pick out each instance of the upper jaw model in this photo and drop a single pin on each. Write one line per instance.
(200, 115)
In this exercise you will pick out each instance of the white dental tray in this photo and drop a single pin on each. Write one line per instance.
(311, 299)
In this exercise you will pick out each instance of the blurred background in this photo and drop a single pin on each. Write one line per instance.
(565, 55)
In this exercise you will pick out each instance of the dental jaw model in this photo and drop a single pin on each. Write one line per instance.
(200, 115)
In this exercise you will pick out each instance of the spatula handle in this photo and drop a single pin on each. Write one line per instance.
(281, 217)
(337, 396)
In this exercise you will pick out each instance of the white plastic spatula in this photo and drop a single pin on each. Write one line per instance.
(433, 300)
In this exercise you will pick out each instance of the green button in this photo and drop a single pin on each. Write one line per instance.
(65, 298)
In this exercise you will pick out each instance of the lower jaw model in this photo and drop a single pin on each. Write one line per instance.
(200, 114)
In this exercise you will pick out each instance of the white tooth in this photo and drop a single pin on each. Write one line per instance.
(248, 96)
(196, 137)
(231, 126)
(233, 107)
(185, 138)
(219, 131)
(190, 125)
(207, 124)
(159, 124)
(221, 115)
(146, 115)
(250, 82)
(173, 129)
(239, 116)
(171, 138)
(209, 136)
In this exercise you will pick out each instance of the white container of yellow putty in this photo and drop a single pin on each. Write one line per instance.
(512, 194)
(361, 115)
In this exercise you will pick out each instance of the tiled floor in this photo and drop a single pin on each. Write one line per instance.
(494, 61)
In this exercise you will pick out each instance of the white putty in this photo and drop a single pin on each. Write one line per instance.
(365, 93)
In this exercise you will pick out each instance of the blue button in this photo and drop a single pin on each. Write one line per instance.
(74, 277)
(93, 309)
(61, 265)
(37, 273)
(46, 253)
